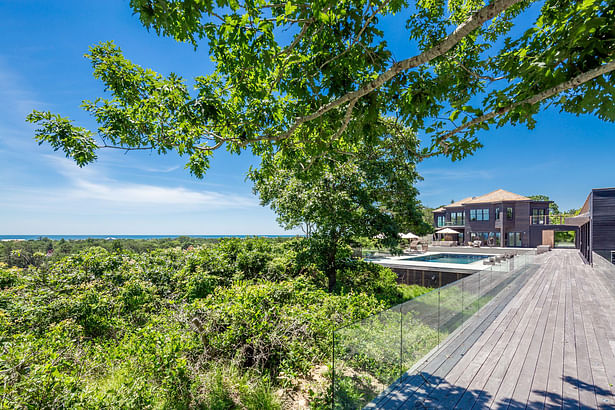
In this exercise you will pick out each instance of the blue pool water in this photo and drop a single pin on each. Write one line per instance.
(462, 258)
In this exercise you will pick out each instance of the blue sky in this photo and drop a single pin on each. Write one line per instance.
(42, 67)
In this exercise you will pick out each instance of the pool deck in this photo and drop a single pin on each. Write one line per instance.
(550, 343)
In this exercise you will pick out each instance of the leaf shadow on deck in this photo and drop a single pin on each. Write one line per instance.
(425, 391)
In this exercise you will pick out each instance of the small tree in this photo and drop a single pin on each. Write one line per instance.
(553, 208)
(345, 195)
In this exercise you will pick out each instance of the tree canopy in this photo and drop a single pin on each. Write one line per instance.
(370, 193)
(553, 207)
(318, 73)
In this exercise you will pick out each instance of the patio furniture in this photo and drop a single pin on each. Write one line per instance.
(446, 243)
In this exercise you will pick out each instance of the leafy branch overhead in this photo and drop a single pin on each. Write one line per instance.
(318, 74)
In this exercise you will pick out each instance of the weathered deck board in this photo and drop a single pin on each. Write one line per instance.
(552, 345)
(570, 391)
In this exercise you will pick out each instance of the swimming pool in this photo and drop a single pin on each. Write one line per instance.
(462, 258)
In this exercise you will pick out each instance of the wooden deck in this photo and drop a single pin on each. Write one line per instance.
(549, 342)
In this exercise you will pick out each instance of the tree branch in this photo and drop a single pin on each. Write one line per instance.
(126, 148)
(566, 85)
(473, 22)
(347, 118)
(478, 76)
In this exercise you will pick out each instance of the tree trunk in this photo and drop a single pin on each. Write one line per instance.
(331, 269)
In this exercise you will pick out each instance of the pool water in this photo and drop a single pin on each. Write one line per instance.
(462, 258)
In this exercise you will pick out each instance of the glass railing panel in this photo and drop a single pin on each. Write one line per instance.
(419, 327)
(485, 284)
(471, 294)
(367, 358)
(451, 309)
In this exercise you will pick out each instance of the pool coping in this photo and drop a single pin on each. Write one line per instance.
(398, 261)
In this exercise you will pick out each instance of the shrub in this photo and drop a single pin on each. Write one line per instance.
(282, 328)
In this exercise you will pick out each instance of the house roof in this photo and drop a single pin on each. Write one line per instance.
(458, 203)
(499, 195)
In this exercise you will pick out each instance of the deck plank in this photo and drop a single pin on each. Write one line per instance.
(585, 381)
(570, 389)
(555, 380)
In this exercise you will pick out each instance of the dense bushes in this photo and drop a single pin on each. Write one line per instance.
(211, 327)
(283, 328)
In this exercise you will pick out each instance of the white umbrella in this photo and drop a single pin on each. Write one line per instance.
(409, 235)
(447, 231)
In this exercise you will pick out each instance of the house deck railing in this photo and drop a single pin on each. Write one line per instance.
(458, 222)
(371, 355)
(556, 219)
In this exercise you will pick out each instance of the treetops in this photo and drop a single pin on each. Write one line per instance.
(315, 76)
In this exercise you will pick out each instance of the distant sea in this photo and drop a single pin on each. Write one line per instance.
(81, 237)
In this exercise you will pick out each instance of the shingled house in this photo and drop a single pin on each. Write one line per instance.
(519, 220)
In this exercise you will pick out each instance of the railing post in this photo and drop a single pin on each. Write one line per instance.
(462, 312)
(333, 374)
(401, 340)
(478, 299)
(438, 317)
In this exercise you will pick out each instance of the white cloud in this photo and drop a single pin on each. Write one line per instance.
(139, 194)
(88, 188)
(15, 97)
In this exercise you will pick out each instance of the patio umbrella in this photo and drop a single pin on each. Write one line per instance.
(409, 235)
(447, 231)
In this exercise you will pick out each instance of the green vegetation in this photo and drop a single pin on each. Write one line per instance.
(370, 194)
(564, 238)
(43, 250)
(553, 207)
(236, 324)
(314, 76)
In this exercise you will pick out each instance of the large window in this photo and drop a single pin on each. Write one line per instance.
(497, 213)
(539, 216)
(513, 239)
(487, 238)
(458, 218)
(440, 220)
(479, 214)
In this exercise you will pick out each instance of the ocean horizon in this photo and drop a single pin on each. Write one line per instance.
(112, 237)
